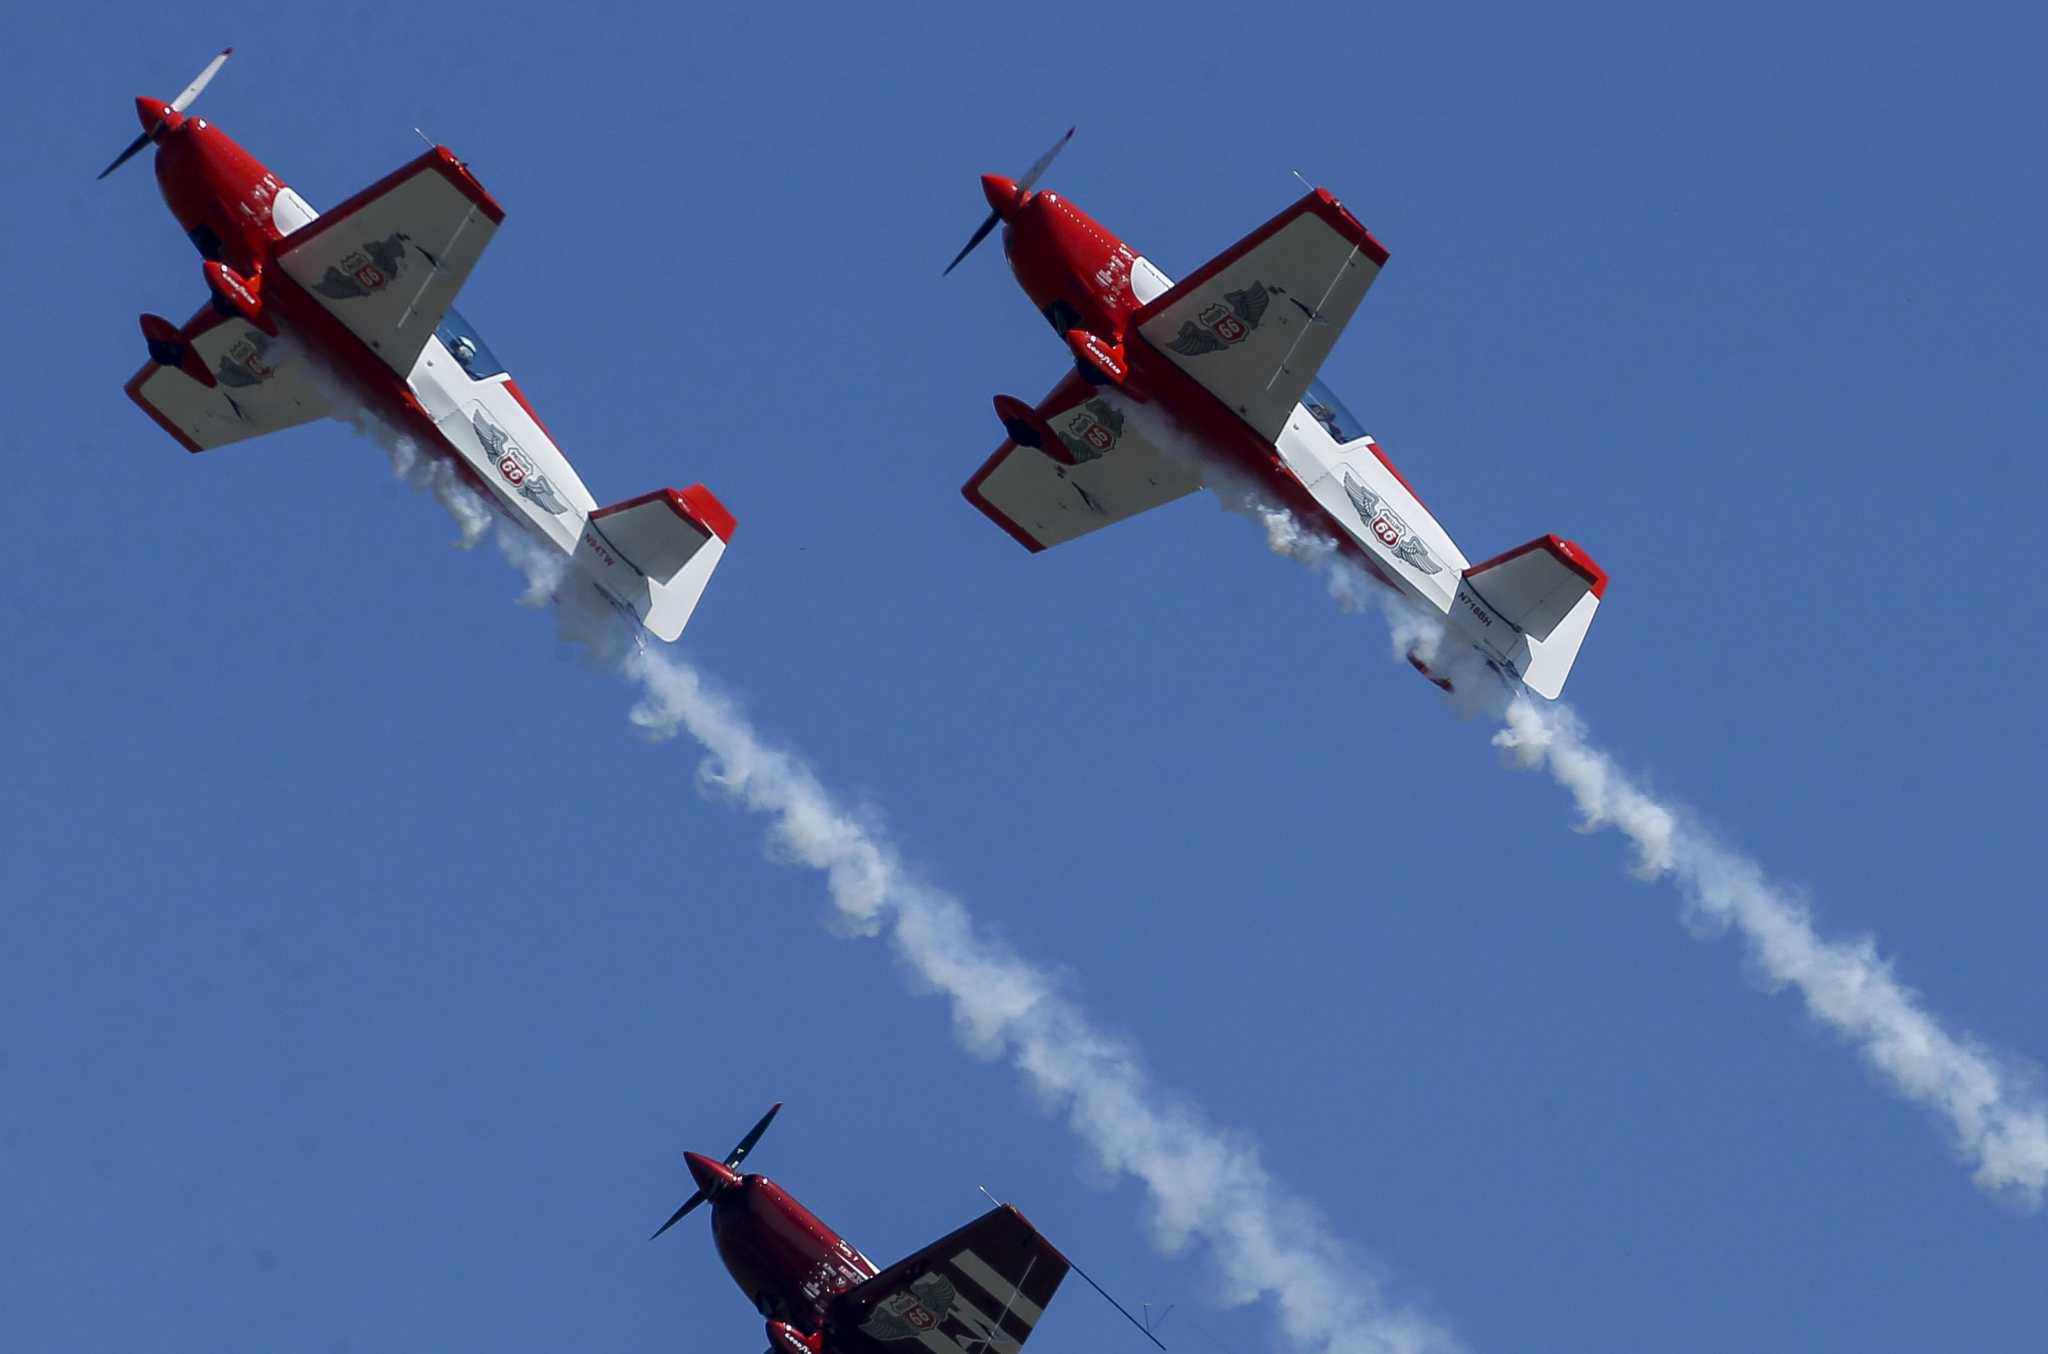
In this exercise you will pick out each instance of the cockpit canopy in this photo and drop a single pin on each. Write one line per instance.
(468, 346)
(1339, 422)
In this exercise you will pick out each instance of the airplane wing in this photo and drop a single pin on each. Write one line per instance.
(388, 262)
(1254, 324)
(261, 385)
(1117, 473)
(980, 1290)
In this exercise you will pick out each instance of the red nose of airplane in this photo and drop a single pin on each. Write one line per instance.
(150, 111)
(712, 1176)
(1001, 193)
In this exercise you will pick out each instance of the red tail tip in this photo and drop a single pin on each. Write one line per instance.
(704, 507)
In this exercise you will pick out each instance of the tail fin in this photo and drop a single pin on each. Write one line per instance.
(1547, 591)
(653, 555)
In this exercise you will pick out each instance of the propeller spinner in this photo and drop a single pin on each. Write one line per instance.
(1003, 194)
(156, 116)
(713, 1177)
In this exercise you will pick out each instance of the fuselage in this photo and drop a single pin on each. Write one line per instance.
(788, 1263)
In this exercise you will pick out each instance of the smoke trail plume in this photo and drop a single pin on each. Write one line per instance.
(1204, 1186)
(1992, 1104)
(412, 467)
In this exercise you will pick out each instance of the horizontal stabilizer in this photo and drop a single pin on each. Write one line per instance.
(655, 554)
(1535, 586)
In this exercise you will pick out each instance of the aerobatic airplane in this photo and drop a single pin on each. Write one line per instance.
(363, 295)
(979, 1290)
(1230, 354)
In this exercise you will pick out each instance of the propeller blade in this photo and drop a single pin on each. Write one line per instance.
(678, 1213)
(739, 1153)
(199, 81)
(994, 219)
(125, 156)
(1038, 166)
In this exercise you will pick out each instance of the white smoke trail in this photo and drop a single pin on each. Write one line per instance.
(1203, 1185)
(1992, 1103)
(413, 467)
(436, 476)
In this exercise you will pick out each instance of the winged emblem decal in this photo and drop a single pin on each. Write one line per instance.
(247, 361)
(1388, 527)
(515, 465)
(365, 270)
(910, 1312)
(1250, 304)
(1091, 430)
(1220, 324)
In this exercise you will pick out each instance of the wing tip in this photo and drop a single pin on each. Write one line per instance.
(971, 491)
(157, 416)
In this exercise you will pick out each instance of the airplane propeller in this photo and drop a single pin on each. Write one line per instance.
(1038, 167)
(732, 1159)
(178, 105)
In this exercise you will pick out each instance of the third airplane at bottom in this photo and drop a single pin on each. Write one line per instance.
(978, 1290)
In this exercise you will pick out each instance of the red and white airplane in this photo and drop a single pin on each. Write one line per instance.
(979, 1290)
(1230, 353)
(363, 295)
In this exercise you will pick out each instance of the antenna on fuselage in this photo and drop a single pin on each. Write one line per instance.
(1144, 1328)
(431, 143)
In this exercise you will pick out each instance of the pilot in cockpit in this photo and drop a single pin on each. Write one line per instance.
(1326, 416)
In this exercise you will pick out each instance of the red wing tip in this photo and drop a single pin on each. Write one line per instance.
(156, 415)
(1365, 240)
(454, 164)
(971, 491)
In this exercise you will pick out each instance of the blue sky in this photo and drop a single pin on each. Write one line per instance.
(365, 974)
